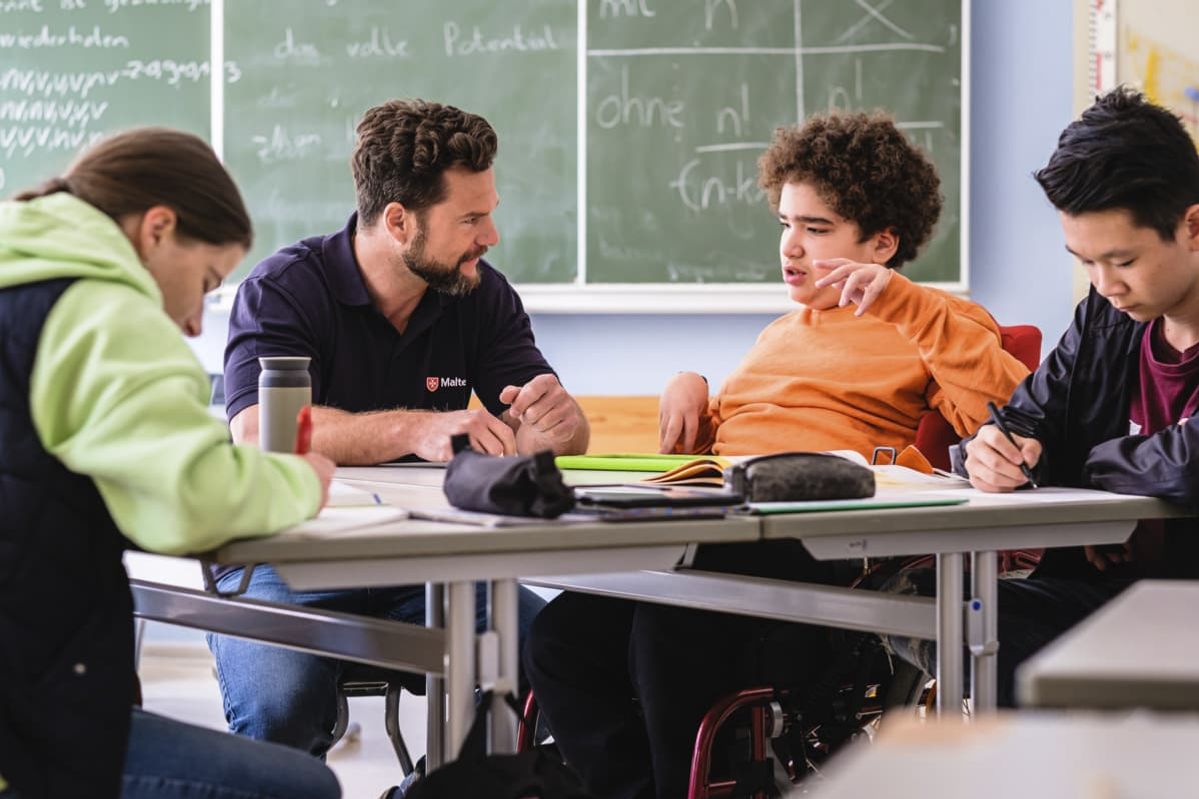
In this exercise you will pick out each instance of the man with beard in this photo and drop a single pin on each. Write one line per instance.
(393, 363)
(402, 320)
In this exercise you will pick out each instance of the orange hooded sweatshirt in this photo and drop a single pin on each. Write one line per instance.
(820, 380)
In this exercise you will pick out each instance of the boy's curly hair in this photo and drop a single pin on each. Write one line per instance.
(865, 169)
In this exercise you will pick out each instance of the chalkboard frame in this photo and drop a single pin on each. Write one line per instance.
(580, 297)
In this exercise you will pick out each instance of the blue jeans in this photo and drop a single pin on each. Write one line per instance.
(171, 760)
(287, 697)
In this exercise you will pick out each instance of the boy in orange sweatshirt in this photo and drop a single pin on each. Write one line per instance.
(865, 355)
(868, 352)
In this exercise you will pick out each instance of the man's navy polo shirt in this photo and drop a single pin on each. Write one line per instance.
(310, 299)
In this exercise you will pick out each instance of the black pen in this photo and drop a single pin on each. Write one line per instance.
(998, 420)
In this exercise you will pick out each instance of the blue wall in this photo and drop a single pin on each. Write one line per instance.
(1021, 96)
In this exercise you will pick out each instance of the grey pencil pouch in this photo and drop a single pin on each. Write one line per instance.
(799, 476)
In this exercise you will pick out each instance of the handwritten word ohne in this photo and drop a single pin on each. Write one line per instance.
(624, 109)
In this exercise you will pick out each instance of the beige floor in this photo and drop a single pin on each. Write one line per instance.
(177, 682)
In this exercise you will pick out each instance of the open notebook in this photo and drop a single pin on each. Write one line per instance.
(667, 469)
(708, 470)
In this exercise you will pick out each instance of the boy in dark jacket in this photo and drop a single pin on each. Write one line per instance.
(1109, 407)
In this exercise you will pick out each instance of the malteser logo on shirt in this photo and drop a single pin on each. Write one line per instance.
(433, 383)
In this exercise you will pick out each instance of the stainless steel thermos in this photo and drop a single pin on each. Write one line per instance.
(284, 387)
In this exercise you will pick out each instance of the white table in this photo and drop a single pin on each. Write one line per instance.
(1139, 650)
(438, 554)
(636, 560)
(1034, 755)
(986, 524)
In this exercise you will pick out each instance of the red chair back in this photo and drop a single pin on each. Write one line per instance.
(934, 435)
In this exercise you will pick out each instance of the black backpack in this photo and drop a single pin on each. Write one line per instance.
(475, 774)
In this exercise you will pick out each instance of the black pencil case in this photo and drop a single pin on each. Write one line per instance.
(798, 477)
(529, 485)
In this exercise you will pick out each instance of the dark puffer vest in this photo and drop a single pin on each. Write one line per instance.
(66, 627)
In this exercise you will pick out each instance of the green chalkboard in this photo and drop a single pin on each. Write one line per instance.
(311, 68)
(72, 71)
(629, 129)
(682, 98)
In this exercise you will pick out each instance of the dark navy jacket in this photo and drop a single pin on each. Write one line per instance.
(1076, 404)
(66, 624)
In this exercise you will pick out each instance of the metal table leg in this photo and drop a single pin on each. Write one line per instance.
(460, 665)
(949, 633)
(505, 622)
(984, 641)
(435, 686)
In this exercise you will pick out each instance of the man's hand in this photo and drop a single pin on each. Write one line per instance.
(324, 469)
(994, 464)
(860, 284)
(433, 431)
(543, 406)
(683, 406)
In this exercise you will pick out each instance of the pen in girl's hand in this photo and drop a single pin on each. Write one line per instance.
(998, 421)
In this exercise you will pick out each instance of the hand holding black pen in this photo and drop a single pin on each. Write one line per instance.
(997, 420)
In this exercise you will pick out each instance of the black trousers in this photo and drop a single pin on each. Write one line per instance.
(624, 685)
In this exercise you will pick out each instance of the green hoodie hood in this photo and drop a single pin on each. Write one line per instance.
(61, 236)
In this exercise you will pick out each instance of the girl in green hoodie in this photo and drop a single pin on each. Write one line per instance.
(106, 442)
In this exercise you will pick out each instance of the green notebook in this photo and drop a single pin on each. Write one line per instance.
(636, 462)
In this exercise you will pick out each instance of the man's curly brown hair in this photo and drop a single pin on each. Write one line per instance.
(865, 169)
(404, 148)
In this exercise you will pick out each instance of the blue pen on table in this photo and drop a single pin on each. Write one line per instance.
(998, 421)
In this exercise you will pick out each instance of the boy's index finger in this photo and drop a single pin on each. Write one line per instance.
(839, 273)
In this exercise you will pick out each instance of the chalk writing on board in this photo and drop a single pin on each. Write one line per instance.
(291, 49)
(625, 8)
(456, 44)
(72, 71)
(699, 193)
(114, 6)
(282, 145)
(12, 6)
(70, 112)
(623, 108)
(68, 37)
(378, 44)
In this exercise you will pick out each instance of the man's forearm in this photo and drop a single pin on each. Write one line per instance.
(349, 439)
(362, 439)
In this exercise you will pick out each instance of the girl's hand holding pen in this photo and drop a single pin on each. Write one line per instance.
(994, 461)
